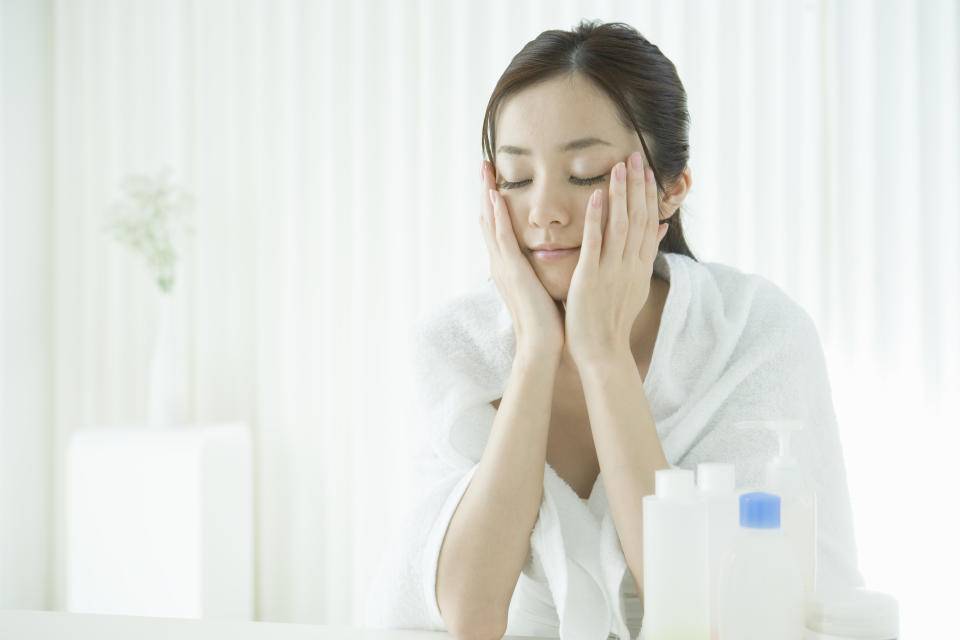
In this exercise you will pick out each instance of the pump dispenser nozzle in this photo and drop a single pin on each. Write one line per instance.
(783, 470)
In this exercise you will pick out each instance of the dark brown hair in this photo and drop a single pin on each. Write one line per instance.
(640, 80)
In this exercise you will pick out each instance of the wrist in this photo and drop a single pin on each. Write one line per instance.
(604, 362)
(601, 355)
(537, 357)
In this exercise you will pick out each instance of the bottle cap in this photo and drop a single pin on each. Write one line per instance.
(716, 477)
(675, 483)
(783, 472)
(759, 510)
(783, 428)
(854, 612)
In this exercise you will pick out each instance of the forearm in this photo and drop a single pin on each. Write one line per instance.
(489, 534)
(628, 447)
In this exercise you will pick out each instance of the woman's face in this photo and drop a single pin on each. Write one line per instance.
(545, 180)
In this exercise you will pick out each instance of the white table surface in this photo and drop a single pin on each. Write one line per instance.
(59, 625)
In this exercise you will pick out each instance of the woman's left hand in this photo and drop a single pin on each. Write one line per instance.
(611, 281)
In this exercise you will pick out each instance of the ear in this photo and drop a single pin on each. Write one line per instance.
(676, 193)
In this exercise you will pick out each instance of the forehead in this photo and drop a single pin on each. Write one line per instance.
(543, 116)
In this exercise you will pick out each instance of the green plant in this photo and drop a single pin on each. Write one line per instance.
(152, 219)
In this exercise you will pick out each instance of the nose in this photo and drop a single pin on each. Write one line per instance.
(547, 207)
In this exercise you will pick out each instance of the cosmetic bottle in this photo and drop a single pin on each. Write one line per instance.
(716, 482)
(676, 593)
(798, 511)
(761, 588)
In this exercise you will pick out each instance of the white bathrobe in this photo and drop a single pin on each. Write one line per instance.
(731, 346)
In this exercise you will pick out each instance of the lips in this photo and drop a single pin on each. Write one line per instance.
(553, 247)
(544, 254)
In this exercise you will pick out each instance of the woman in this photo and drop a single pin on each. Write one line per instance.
(601, 352)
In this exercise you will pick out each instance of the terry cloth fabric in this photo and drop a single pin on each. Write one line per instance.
(731, 346)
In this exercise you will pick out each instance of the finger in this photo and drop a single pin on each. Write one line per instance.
(486, 183)
(590, 246)
(506, 238)
(487, 222)
(636, 205)
(488, 227)
(617, 221)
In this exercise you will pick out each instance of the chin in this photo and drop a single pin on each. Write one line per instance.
(559, 294)
(557, 285)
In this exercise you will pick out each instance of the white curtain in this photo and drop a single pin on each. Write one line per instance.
(333, 151)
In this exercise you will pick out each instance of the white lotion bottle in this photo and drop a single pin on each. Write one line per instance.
(798, 507)
(716, 482)
(676, 594)
(761, 587)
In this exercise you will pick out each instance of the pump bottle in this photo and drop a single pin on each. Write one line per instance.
(761, 590)
(785, 477)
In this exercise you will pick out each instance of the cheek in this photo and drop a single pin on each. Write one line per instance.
(515, 218)
(514, 211)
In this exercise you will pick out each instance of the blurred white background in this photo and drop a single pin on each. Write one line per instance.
(333, 150)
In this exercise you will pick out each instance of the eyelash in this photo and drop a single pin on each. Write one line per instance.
(578, 181)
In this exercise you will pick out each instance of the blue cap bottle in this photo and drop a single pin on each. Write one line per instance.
(761, 586)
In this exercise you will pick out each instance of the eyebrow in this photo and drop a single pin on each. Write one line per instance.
(580, 143)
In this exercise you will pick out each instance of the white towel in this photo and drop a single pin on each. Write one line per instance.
(731, 346)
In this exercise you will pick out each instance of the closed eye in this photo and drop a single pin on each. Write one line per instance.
(506, 184)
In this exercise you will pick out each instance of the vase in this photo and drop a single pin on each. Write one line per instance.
(167, 397)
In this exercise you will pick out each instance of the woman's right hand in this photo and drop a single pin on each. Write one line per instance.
(537, 321)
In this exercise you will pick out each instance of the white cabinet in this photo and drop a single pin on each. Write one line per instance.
(160, 522)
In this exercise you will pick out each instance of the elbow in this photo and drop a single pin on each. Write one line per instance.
(469, 617)
(483, 630)
(474, 625)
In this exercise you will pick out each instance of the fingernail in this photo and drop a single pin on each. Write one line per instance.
(595, 198)
(636, 160)
(620, 171)
(493, 198)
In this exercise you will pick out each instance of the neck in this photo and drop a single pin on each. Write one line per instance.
(646, 326)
